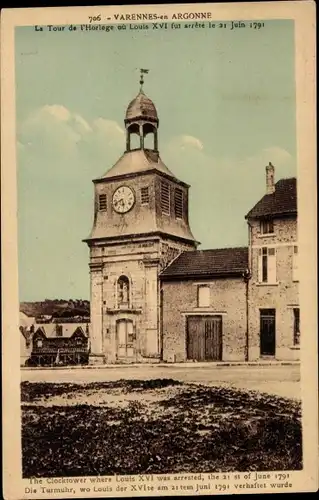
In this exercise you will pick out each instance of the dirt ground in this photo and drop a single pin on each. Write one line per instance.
(155, 426)
(279, 380)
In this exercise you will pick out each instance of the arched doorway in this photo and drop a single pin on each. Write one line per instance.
(125, 339)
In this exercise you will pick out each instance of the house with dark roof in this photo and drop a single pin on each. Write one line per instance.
(237, 304)
(274, 317)
(46, 343)
(54, 344)
(203, 306)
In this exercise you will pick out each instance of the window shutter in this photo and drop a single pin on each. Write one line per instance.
(272, 275)
(165, 198)
(203, 296)
(260, 265)
(102, 202)
(295, 273)
(145, 198)
(178, 203)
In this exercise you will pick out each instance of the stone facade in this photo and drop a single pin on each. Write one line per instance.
(140, 260)
(279, 294)
(180, 302)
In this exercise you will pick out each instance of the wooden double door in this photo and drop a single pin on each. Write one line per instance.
(125, 339)
(204, 338)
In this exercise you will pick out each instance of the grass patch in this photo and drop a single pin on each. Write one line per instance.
(182, 428)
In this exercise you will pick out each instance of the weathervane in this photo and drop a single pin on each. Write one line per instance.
(143, 72)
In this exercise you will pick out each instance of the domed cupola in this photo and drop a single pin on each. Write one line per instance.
(141, 108)
(141, 119)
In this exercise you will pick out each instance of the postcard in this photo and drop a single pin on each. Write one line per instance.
(159, 250)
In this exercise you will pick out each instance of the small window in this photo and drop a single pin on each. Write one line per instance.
(296, 326)
(145, 197)
(178, 203)
(59, 330)
(165, 198)
(39, 343)
(102, 202)
(267, 226)
(203, 296)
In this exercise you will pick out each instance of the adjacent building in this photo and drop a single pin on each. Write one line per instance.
(274, 317)
(204, 294)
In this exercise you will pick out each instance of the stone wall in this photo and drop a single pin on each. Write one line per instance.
(228, 298)
(140, 262)
(282, 296)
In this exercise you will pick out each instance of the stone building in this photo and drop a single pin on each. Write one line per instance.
(154, 296)
(204, 295)
(238, 304)
(274, 318)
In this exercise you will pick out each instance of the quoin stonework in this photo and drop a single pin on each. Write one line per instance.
(155, 296)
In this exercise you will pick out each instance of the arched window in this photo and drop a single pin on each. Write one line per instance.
(123, 291)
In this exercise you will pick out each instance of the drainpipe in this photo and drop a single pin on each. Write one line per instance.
(247, 277)
(161, 323)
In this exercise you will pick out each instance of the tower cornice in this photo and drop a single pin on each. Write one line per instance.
(139, 174)
(128, 237)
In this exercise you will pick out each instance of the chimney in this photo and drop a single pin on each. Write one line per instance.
(270, 179)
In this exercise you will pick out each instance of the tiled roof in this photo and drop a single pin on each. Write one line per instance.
(200, 263)
(67, 329)
(141, 107)
(282, 202)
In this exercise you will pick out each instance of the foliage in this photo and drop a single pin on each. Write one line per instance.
(56, 307)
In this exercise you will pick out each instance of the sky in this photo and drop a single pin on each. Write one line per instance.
(226, 105)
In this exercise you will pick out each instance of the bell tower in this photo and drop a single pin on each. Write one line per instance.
(140, 225)
(141, 119)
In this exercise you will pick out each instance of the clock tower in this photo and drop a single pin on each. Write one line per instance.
(140, 225)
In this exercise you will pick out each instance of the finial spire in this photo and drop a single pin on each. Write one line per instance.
(143, 72)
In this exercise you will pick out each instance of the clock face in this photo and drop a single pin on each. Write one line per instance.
(123, 199)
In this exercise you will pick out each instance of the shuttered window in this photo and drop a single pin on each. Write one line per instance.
(178, 203)
(59, 330)
(267, 272)
(102, 202)
(145, 197)
(266, 226)
(295, 265)
(203, 296)
(296, 326)
(165, 198)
